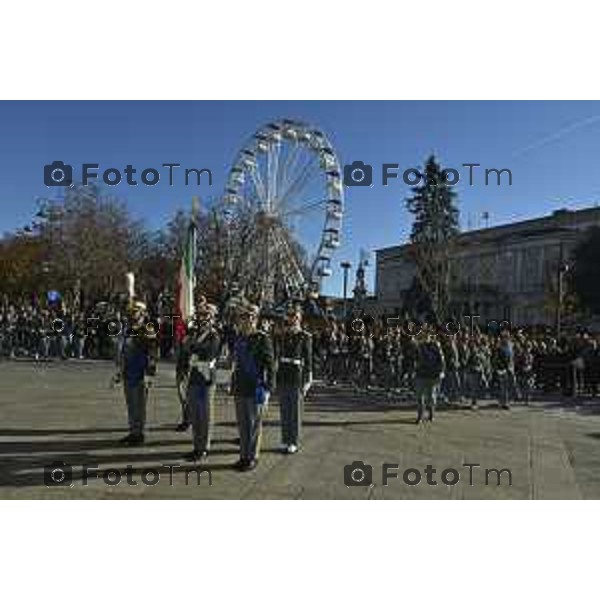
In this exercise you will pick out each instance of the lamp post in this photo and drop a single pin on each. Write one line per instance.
(563, 269)
(346, 266)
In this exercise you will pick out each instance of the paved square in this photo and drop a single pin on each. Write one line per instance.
(68, 412)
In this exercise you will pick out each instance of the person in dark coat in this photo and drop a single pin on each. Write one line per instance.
(428, 375)
(137, 362)
(252, 382)
(198, 359)
(294, 377)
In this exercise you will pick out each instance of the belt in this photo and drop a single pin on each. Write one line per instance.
(291, 361)
(204, 367)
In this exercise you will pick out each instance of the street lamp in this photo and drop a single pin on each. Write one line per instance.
(562, 268)
(346, 266)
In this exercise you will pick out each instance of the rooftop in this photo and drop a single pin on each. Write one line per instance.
(560, 221)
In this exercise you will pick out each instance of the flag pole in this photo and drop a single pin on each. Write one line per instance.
(195, 209)
(193, 249)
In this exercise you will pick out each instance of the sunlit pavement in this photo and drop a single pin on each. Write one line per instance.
(69, 412)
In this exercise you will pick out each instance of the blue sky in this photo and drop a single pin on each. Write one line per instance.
(551, 148)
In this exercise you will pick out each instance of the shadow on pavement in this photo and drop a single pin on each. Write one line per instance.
(80, 431)
(26, 468)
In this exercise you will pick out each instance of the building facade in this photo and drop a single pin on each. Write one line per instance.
(504, 272)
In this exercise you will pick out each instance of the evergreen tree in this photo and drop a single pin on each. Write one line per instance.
(433, 232)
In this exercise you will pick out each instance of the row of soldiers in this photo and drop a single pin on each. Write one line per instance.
(265, 360)
(261, 364)
(473, 361)
(42, 333)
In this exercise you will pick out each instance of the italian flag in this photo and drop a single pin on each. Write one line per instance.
(186, 282)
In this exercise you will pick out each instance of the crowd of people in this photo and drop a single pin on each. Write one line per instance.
(58, 332)
(473, 363)
(357, 351)
(279, 352)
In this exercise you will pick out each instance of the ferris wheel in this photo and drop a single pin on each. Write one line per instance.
(284, 204)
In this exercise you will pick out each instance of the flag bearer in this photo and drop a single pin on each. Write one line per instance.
(199, 354)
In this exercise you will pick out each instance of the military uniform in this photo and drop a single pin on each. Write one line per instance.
(344, 355)
(333, 353)
(137, 361)
(429, 372)
(252, 376)
(409, 353)
(524, 370)
(198, 356)
(181, 382)
(452, 384)
(396, 361)
(503, 363)
(294, 374)
(475, 371)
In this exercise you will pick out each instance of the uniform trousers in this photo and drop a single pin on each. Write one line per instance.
(136, 396)
(249, 417)
(291, 401)
(200, 407)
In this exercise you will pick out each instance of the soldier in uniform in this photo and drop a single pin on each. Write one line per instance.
(252, 382)
(451, 385)
(182, 373)
(344, 355)
(524, 363)
(504, 366)
(429, 373)
(137, 362)
(198, 357)
(476, 381)
(397, 360)
(294, 377)
(409, 353)
(333, 353)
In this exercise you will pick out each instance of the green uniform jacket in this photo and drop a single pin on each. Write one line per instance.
(206, 345)
(295, 359)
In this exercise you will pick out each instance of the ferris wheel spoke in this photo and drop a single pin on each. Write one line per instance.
(305, 208)
(299, 163)
(298, 186)
(289, 165)
(259, 186)
(274, 150)
(291, 257)
(304, 170)
(268, 176)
